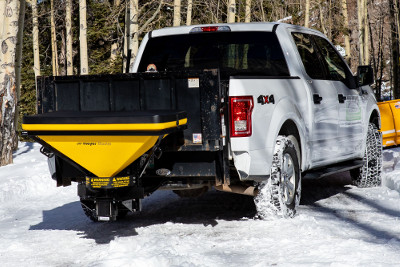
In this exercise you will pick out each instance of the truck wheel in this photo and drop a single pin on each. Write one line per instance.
(280, 195)
(369, 175)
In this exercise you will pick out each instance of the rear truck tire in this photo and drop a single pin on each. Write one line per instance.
(280, 195)
(369, 175)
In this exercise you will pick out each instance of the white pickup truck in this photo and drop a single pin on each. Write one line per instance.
(258, 107)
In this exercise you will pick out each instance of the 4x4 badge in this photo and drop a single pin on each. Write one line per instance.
(265, 99)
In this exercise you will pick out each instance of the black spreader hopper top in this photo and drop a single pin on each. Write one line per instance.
(40, 124)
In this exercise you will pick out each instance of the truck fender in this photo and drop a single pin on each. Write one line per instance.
(284, 112)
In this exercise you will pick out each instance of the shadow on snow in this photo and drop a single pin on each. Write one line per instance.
(160, 208)
(163, 207)
(315, 190)
(27, 147)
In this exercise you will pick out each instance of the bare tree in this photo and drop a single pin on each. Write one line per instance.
(126, 38)
(262, 10)
(231, 11)
(115, 43)
(177, 13)
(134, 30)
(307, 15)
(247, 17)
(68, 28)
(8, 92)
(394, 8)
(54, 54)
(35, 38)
(18, 62)
(189, 13)
(363, 36)
(346, 34)
(366, 32)
(83, 37)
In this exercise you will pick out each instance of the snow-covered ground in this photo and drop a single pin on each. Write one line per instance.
(337, 224)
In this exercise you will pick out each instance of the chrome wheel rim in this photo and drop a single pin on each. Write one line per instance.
(288, 179)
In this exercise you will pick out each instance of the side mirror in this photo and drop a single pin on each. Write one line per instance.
(365, 75)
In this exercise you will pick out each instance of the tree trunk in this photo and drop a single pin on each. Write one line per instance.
(248, 11)
(114, 45)
(62, 57)
(83, 37)
(346, 35)
(177, 13)
(360, 12)
(35, 37)
(366, 33)
(231, 11)
(262, 10)
(395, 48)
(307, 15)
(68, 27)
(189, 13)
(8, 93)
(126, 38)
(18, 63)
(54, 54)
(134, 31)
(322, 19)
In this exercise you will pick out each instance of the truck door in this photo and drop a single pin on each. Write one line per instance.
(350, 131)
(324, 133)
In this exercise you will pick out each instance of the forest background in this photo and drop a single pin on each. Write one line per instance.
(72, 37)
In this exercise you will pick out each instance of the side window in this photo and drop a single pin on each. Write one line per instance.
(338, 70)
(309, 56)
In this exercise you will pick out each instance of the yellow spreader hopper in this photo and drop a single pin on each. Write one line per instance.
(103, 143)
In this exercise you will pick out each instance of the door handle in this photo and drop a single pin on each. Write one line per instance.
(341, 98)
(317, 99)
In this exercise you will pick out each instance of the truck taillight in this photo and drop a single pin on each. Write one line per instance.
(240, 113)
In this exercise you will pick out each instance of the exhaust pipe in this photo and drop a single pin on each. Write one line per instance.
(238, 189)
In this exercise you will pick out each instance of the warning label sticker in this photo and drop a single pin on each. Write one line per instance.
(120, 181)
(114, 182)
(193, 83)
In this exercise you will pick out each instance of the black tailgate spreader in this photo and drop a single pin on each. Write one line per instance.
(103, 131)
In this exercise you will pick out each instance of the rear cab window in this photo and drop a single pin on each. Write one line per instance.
(320, 59)
(233, 53)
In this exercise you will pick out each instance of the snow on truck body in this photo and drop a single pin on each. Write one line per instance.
(266, 104)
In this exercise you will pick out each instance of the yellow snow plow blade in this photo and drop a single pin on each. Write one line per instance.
(104, 149)
(390, 122)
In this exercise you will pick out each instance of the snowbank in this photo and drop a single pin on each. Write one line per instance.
(27, 177)
(391, 168)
